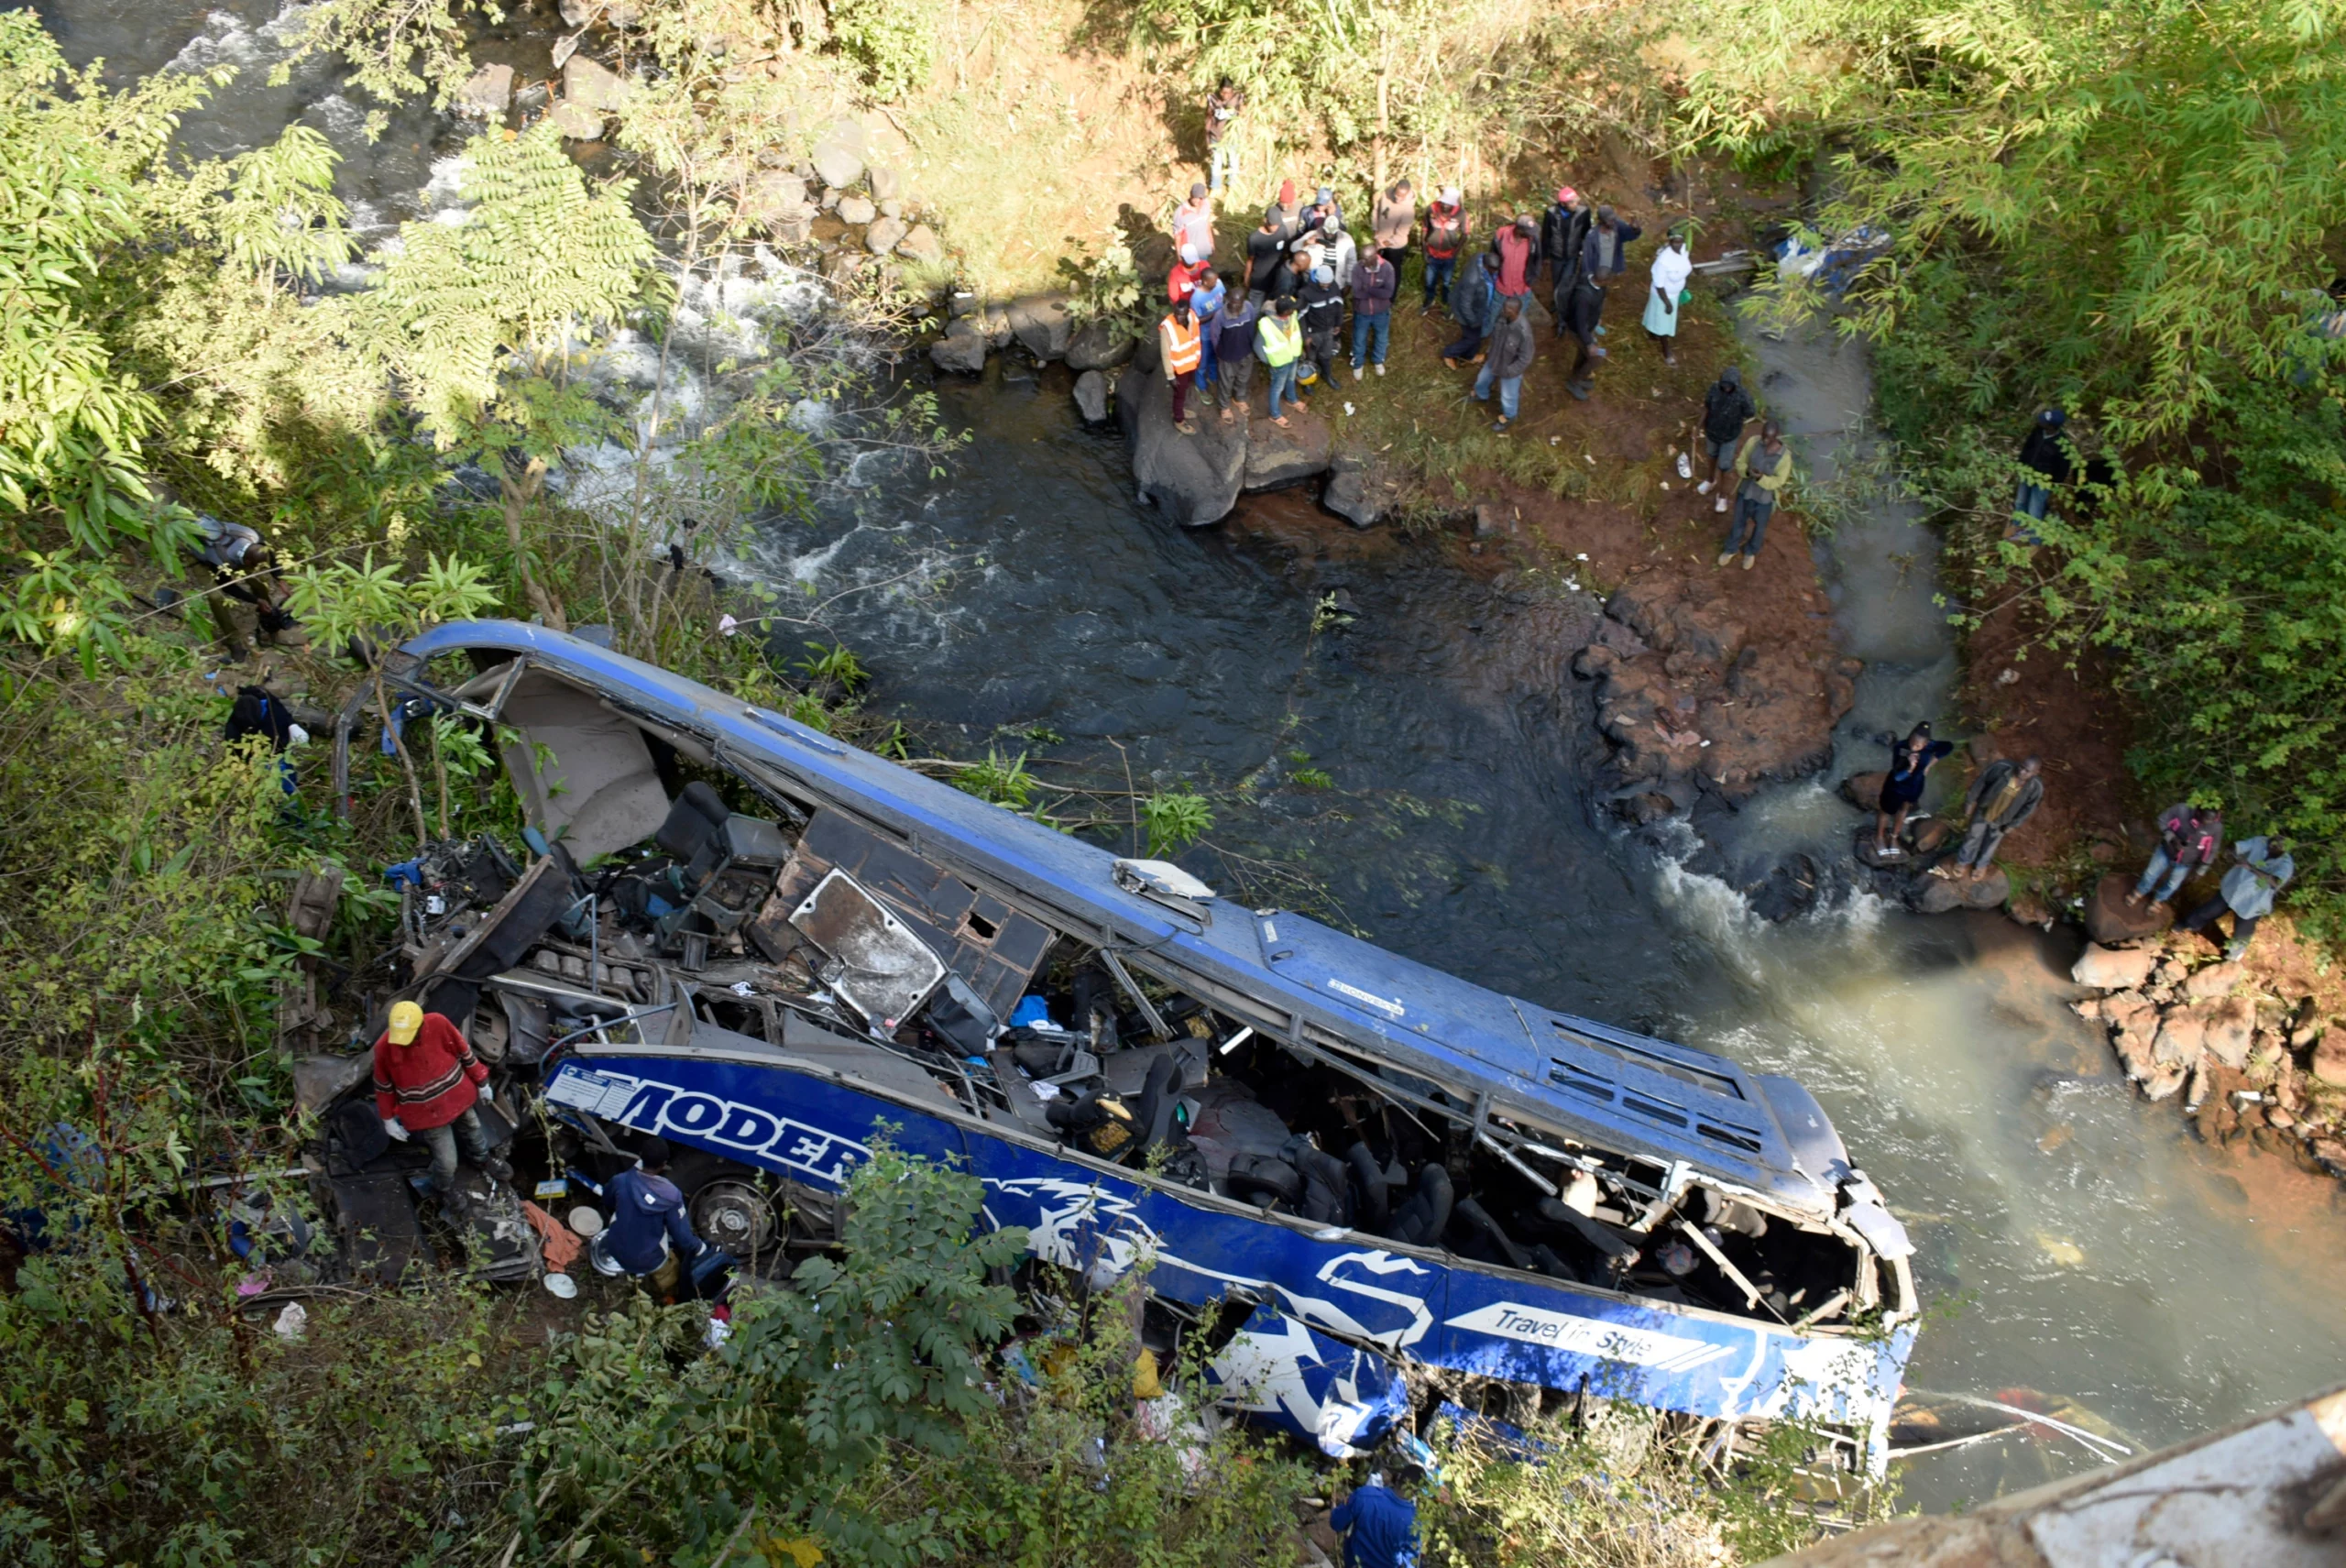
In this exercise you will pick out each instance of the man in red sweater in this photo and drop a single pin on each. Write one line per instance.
(426, 1083)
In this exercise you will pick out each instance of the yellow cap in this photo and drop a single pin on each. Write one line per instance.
(1146, 1382)
(407, 1022)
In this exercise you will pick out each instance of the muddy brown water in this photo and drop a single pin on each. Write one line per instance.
(2077, 1241)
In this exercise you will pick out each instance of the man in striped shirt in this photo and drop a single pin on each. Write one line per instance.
(427, 1083)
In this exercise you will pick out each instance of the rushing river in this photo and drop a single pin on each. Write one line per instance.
(2083, 1244)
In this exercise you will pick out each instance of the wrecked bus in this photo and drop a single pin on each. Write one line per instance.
(1343, 1167)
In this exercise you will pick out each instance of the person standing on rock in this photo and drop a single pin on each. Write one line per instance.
(1475, 301)
(1178, 347)
(1517, 247)
(2004, 795)
(1221, 116)
(1278, 342)
(1320, 306)
(1765, 467)
(1727, 409)
(1193, 223)
(2261, 869)
(1206, 302)
(1233, 346)
(1511, 351)
(1265, 258)
(1671, 267)
(1445, 238)
(2190, 837)
(1392, 220)
(1563, 233)
(1910, 762)
(1375, 282)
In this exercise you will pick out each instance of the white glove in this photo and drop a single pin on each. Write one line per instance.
(487, 1096)
(296, 735)
(398, 1132)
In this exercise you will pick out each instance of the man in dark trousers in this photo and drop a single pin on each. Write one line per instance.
(1582, 314)
(1265, 257)
(1563, 233)
(1604, 253)
(1727, 409)
(2045, 455)
(427, 1083)
(1375, 282)
(648, 1220)
(1474, 304)
(2004, 795)
(1321, 304)
(1379, 1527)
(1510, 357)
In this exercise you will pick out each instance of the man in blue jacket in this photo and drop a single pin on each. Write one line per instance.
(1474, 300)
(1379, 1527)
(647, 1218)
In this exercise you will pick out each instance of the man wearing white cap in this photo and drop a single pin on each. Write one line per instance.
(1193, 223)
(427, 1083)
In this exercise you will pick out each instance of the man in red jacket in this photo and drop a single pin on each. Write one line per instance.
(426, 1082)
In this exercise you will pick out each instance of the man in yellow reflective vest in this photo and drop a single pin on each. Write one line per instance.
(1280, 343)
(1178, 346)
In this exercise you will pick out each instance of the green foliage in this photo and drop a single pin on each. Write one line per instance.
(892, 42)
(1006, 785)
(396, 48)
(834, 665)
(875, 1356)
(341, 600)
(1175, 820)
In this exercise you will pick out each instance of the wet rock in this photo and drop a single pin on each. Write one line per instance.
(2030, 909)
(2327, 1062)
(1788, 892)
(884, 236)
(486, 92)
(1864, 790)
(1861, 846)
(2105, 969)
(2215, 979)
(2087, 1007)
(593, 86)
(1276, 457)
(1098, 345)
(2133, 1026)
(775, 201)
(2330, 1152)
(857, 210)
(577, 122)
(1195, 478)
(1042, 326)
(1360, 490)
(885, 183)
(962, 349)
(920, 244)
(2110, 921)
(2228, 1029)
(2164, 1082)
(1932, 835)
(839, 154)
(1091, 396)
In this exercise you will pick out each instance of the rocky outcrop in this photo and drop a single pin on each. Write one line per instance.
(1098, 345)
(1277, 457)
(838, 157)
(920, 244)
(857, 210)
(1091, 396)
(1194, 478)
(884, 236)
(1360, 490)
(2110, 920)
(486, 92)
(964, 348)
(592, 86)
(1042, 327)
(776, 203)
(1689, 699)
(2245, 1062)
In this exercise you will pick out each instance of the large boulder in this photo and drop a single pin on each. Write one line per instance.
(1864, 790)
(1098, 345)
(2228, 1029)
(1943, 895)
(577, 122)
(593, 86)
(1091, 396)
(1196, 477)
(1042, 327)
(962, 349)
(2133, 1027)
(885, 183)
(857, 210)
(777, 201)
(486, 92)
(2182, 1039)
(2107, 970)
(884, 236)
(2215, 979)
(839, 154)
(1359, 489)
(920, 244)
(2327, 1062)
(2110, 920)
(1277, 457)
